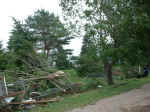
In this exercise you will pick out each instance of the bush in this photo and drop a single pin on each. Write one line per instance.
(92, 83)
(130, 71)
(89, 65)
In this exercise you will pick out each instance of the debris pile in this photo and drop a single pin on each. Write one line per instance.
(31, 91)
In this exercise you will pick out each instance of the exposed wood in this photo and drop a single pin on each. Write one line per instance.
(53, 82)
(12, 94)
(25, 92)
(139, 68)
(64, 87)
(35, 102)
(49, 77)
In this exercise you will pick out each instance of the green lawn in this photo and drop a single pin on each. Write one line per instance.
(91, 96)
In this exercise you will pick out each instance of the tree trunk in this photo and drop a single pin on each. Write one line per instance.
(108, 71)
(47, 53)
(139, 68)
(44, 41)
(45, 48)
(105, 67)
(109, 74)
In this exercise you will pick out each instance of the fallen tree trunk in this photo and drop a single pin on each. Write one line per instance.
(12, 95)
(35, 102)
(49, 77)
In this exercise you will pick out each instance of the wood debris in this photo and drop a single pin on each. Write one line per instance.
(35, 102)
(30, 90)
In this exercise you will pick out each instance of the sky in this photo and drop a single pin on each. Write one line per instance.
(21, 9)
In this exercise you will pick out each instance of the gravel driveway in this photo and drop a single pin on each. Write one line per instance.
(137, 100)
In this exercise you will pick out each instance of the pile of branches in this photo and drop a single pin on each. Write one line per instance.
(35, 83)
(29, 92)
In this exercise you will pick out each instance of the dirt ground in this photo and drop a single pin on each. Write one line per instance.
(137, 100)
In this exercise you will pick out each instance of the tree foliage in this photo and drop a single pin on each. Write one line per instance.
(48, 30)
(40, 33)
(122, 26)
(21, 40)
(21, 46)
(61, 58)
(2, 57)
(89, 61)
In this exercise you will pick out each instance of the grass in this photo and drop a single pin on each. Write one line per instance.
(91, 96)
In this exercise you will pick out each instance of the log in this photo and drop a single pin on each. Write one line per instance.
(35, 102)
(12, 94)
(49, 77)
(54, 83)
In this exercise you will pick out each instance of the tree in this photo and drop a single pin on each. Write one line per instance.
(21, 47)
(48, 29)
(21, 40)
(61, 57)
(124, 22)
(89, 62)
(1, 49)
(92, 28)
(3, 59)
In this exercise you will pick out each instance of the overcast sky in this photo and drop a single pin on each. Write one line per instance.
(20, 9)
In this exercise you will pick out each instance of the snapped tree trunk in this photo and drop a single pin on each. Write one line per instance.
(139, 68)
(108, 72)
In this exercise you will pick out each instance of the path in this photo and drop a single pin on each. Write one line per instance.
(137, 100)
